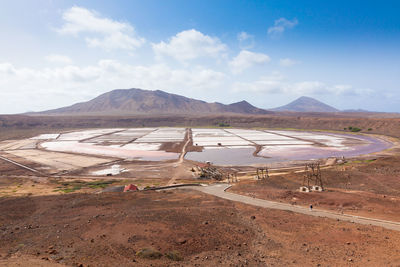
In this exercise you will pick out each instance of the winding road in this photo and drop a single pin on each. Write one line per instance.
(219, 190)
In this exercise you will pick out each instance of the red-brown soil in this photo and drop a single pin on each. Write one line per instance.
(370, 189)
(109, 229)
(40, 225)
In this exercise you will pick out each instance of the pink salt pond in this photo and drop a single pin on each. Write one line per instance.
(118, 152)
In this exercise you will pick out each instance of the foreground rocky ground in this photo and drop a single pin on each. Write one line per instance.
(369, 188)
(179, 228)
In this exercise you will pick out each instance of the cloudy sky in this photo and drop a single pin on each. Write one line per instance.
(345, 53)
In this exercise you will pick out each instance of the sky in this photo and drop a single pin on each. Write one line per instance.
(344, 53)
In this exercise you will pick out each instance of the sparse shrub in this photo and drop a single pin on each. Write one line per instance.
(69, 187)
(149, 253)
(223, 124)
(345, 129)
(355, 129)
(369, 129)
(174, 255)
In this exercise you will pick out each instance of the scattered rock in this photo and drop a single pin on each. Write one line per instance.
(149, 253)
(181, 241)
(174, 255)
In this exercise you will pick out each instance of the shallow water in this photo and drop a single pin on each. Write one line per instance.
(227, 156)
(283, 153)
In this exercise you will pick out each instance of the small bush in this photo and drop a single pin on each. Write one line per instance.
(355, 129)
(149, 253)
(369, 129)
(223, 124)
(174, 255)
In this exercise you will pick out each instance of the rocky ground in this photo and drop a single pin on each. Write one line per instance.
(368, 188)
(57, 221)
(179, 228)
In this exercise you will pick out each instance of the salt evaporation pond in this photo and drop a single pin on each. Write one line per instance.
(288, 152)
(220, 146)
(109, 151)
(227, 156)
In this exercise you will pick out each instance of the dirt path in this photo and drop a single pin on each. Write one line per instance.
(20, 165)
(219, 190)
(183, 153)
(178, 164)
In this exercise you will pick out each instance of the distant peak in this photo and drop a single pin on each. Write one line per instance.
(243, 102)
(305, 98)
(306, 104)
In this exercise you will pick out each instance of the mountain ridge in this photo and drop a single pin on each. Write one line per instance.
(138, 101)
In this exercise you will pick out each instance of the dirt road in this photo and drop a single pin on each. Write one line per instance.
(178, 164)
(219, 190)
(183, 153)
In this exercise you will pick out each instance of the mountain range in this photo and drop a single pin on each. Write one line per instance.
(138, 101)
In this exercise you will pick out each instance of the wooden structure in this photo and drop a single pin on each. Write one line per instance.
(207, 171)
(312, 177)
(232, 177)
(262, 173)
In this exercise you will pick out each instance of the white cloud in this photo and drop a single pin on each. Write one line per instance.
(189, 45)
(287, 62)
(55, 58)
(39, 89)
(246, 41)
(280, 25)
(247, 59)
(277, 84)
(7, 69)
(104, 32)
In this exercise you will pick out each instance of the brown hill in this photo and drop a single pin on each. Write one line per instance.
(138, 101)
(306, 104)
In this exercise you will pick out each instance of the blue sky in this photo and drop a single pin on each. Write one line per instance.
(345, 53)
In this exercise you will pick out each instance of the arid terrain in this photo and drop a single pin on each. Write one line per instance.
(180, 227)
(58, 218)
